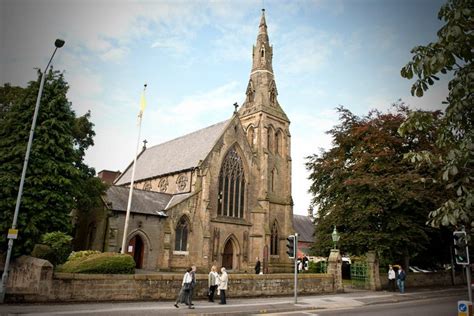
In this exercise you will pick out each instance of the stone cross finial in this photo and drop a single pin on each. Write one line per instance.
(235, 106)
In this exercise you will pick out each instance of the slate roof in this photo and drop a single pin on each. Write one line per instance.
(143, 202)
(304, 227)
(179, 154)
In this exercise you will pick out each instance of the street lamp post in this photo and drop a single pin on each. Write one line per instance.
(335, 237)
(58, 44)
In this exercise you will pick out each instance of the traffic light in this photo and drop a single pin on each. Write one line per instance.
(461, 251)
(291, 246)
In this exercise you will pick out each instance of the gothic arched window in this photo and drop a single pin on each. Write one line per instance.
(231, 200)
(181, 239)
(274, 240)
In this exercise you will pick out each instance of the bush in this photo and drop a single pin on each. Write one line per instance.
(75, 255)
(317, 267)
(96, 263)
(55, 247)
(43, 252)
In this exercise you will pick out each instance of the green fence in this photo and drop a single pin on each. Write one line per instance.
(359, 275)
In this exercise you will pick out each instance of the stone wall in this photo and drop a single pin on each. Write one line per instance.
(427, 279)
(100, 287)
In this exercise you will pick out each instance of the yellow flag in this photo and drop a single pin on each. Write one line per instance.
(142, 102)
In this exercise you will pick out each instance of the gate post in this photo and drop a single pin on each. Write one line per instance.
(335, 268)
(373, 271)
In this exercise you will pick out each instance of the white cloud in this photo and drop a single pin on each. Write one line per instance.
(115, 54)
(305, 50)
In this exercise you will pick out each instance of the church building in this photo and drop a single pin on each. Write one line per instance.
(218, 196)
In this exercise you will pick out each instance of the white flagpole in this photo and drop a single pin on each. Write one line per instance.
(129, 204)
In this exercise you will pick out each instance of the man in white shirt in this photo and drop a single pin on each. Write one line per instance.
(391, 279)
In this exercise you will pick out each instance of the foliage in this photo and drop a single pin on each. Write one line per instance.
(56, 178)
(80, 255)
(106, 263)
(61, 245)
(317, 267)
(453, 53)
(43, 252)
(374, 197)
(9, 95)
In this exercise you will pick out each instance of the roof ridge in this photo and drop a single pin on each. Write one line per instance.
(186, 135)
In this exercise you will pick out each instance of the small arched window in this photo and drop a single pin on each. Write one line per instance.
(274, 239)
(182, 230)
(231, 199)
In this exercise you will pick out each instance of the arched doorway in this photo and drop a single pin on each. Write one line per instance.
(135, 249)
(228, 255)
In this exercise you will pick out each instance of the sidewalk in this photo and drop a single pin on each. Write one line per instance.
(238, 306)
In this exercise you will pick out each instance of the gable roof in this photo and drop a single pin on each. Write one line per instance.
(179, 154)
(304, 227)
(143, 202)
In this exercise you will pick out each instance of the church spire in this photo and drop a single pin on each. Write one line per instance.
(261, 89)
(263, 24)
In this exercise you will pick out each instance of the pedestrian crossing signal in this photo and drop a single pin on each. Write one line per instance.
(461, 250)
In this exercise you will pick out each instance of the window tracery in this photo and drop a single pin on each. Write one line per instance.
(231, 199)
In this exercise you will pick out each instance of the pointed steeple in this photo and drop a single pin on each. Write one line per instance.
(261, 89)
(263, 24)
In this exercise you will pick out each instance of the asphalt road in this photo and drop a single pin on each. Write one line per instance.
(430, 307)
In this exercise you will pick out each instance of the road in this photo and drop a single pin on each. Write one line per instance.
(432, 307)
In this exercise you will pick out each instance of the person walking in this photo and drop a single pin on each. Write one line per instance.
(257, 266)
(212, 283)
(391, 279)
(193, 284)
(223, 280)
(185, 290)
(401, 276)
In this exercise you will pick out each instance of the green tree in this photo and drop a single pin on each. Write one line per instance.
(452, 53)
(56, 174)
(374, 197)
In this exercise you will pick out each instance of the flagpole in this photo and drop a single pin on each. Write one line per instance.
(129, 204)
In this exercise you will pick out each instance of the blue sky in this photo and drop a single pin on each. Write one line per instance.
(195, 57)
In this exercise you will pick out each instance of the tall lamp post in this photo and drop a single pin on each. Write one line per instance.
(335, 237)
(13, 232)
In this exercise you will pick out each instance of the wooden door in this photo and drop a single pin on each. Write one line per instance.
(228, 256)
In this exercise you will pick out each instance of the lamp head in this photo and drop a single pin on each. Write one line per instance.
(335, 235)
(59, 43)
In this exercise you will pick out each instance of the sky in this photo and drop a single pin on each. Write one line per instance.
(195, 57)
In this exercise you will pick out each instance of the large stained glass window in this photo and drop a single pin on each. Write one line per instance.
(231, 199)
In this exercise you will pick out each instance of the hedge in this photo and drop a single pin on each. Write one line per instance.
(99, 263)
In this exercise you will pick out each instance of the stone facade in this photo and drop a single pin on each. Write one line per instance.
(233, 200)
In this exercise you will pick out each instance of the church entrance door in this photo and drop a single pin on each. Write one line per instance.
(135, 249)
(228, 256)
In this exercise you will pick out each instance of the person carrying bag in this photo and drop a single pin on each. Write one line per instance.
(185, 291)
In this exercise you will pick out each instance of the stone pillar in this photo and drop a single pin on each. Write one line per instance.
(30, 276)
(335, 268)
(373, 271)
